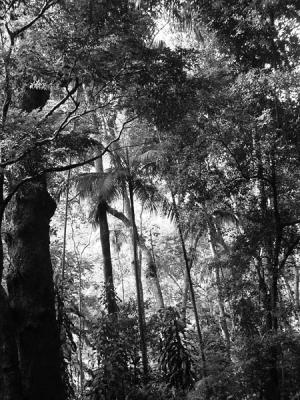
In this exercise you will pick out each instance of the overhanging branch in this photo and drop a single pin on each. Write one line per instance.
(66, 167)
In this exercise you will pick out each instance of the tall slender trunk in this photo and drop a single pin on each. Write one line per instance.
(106, 251)
(185, 296)
(297, 282)
(60, 308)
(63, 257)
(152, 277)
(141, 312)
(80, 331)
(106, 254)
(102, 218)
(271, 249)
(31, 293)
(191, 287)
(220, 298)
(133, 230)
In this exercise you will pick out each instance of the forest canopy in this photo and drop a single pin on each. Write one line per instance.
(149, 200)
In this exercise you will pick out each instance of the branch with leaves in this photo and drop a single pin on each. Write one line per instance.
(62, 168)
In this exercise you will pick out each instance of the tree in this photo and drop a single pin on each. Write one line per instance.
(31, 293)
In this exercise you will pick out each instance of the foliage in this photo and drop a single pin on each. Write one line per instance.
(175, 361)
(216, 123)
(115, 340)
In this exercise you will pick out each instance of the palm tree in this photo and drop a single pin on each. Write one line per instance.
(87, 189)
(104, 187)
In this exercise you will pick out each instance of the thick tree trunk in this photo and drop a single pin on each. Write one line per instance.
(31, 294)
(10, 382)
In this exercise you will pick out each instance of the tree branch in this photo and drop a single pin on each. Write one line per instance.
(65, 167)
(41, 142)
(118, 214)
(289, 252)
(48, 4)
(69, 94)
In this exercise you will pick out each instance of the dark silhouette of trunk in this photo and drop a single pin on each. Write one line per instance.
(141, 312)
(31, 293)
(191, 287)
(151, 274)
(268, 274)
(185, 295)
(10, 382)
(106, 254)
(297, 281)
(10, 379)
(102, 212)
(134, 236)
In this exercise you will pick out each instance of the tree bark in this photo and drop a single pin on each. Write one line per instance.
(140, 304)
(10, 382)
(31, 293)
(107, 264)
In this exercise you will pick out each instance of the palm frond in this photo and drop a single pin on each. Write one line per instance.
(168, 209)
(151, 198)
(226, 217)
(103, 186)
(147, 194)
(152, 156)
(87, 183)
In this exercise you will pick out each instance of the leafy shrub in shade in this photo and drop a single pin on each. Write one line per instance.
(175, 361)
(116, 342)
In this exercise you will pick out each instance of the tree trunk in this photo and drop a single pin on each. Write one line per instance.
(152, 277)
(31, 293)
(141, 311)
(107, 264)
(105, 246)
(191, 287)
(102, 214)
(151, 269)
(220, 299)
(297, 281)
(10, 382)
